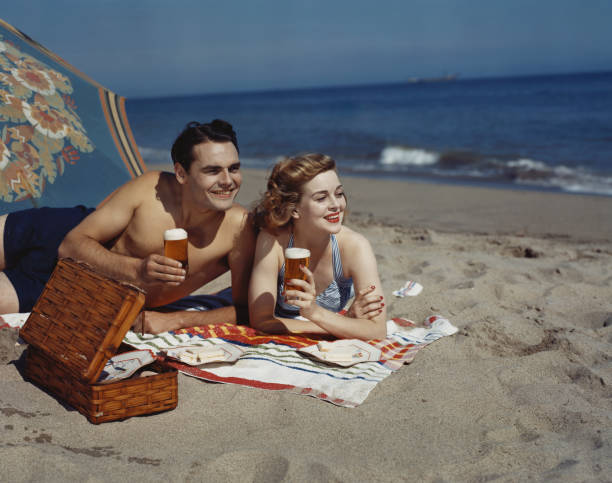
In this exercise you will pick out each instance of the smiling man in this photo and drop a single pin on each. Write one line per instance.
(124, 237)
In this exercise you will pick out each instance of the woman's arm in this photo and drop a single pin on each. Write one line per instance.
(359, 263)
(263, 289)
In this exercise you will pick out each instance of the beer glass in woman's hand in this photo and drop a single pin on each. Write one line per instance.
(294, 258)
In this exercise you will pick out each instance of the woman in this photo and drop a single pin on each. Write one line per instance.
(304, 207)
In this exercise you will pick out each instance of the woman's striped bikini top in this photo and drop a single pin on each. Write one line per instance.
(333, 298)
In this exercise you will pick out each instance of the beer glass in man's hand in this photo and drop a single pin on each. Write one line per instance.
(294, 257)
(175, 245)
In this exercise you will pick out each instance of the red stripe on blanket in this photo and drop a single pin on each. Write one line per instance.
(209, 376)
(247, 335)
(390, 350)
(393, 354)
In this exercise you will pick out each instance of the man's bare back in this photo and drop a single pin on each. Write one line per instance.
(124, 237)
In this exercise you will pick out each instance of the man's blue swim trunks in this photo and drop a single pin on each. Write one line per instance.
(31, 240)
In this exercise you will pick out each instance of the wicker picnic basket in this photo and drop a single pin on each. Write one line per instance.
(77, 324)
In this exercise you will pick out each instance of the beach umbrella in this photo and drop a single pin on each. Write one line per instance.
(64, 139)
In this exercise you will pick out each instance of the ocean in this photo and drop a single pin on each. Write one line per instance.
(550, 132)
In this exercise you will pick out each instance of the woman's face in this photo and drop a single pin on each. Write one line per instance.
(323, 203)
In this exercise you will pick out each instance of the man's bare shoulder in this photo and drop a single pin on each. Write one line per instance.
(153, 186)
(145, 197)
(145, 183)
(155, 178)
(238, 216)
(237, 210)
(149, 177)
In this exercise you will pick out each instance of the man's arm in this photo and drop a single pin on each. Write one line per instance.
(153, 322)
(240, 260)
(86, 241)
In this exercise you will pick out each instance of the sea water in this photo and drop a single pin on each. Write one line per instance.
(541, 132)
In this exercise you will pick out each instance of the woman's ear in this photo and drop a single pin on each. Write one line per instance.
(294, 214)
(180, 173)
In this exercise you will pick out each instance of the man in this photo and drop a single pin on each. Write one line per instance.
(123, 238)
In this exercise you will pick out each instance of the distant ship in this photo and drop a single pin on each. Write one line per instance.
(424, 80)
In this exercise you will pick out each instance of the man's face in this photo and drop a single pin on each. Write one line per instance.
(214, 176)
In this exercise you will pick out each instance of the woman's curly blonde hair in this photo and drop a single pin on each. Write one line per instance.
(285, 188)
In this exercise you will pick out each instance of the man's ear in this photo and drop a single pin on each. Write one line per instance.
(180, 173)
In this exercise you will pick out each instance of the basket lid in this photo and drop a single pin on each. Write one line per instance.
(81, 318)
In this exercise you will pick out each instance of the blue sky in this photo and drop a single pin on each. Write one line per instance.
(143, 48)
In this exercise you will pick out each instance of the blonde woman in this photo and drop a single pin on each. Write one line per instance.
(304, 207)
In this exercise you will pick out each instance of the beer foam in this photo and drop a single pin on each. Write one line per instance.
(297, 252)
(175, 234)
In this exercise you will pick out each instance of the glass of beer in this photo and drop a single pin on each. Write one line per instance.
(294, 257)
(175, 245)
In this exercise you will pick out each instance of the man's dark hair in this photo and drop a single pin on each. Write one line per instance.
(195, 133)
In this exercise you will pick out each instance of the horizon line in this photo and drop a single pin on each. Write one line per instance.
(459, 78)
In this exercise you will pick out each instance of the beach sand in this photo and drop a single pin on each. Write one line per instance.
(521, 393)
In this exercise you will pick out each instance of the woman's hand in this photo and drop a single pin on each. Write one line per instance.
(366, 304)
(305, 296)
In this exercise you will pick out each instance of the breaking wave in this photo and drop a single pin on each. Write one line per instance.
(460, 166)
(407, 156)
(463, 165)
(573, 180)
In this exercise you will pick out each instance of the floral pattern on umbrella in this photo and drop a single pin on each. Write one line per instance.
(41, 131)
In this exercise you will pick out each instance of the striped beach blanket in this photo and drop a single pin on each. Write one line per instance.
(273, 361)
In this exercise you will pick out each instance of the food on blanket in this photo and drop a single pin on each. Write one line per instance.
(187, 358)
(202, 354)
(342, 354)
(294, 257)
(146, 373)
(175, 245)
(325, 346)
(331, 351)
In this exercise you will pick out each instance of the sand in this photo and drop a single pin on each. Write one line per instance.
(521, 393)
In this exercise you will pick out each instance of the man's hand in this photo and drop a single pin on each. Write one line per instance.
(156, 269)
(366, 305)
(151, 322)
